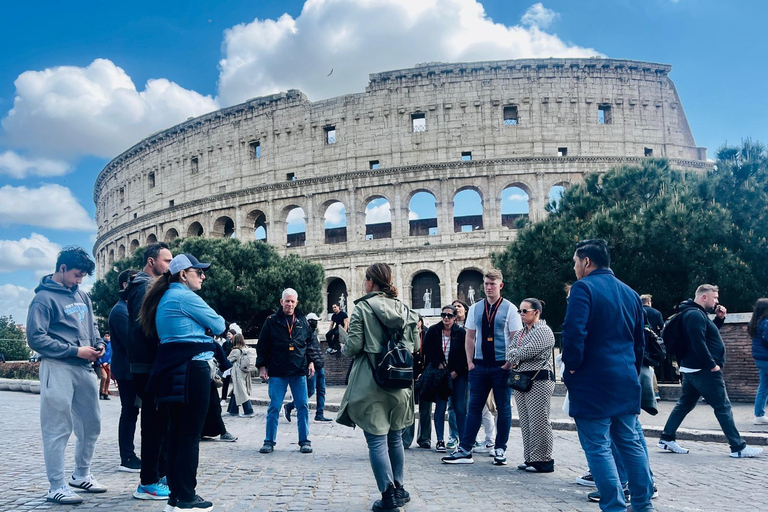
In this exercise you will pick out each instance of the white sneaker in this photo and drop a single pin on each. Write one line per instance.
(499, 457)
(63, 495)
(672, 446)
(748, 451)
(761, 420)
(483, 448)
(223, 403)
(88, 484)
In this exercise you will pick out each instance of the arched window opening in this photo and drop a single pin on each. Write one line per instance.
(151, 239)
(422, 214)
(171, 235)
(515, 206)
(134, 245)
(378, 219)
(224, 227)
(555, 195)
(337, 294)
(196, 229)
(336, 223)
(296, 228)
(470, 286)
(467, 211)
(425, 293)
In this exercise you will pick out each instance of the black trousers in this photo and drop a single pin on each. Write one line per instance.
(187, 421)
(225, 388)
(154, 428)
(129, 413)
(214, 425)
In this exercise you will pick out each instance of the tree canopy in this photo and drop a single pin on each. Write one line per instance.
(13, 343)
(243, 284)
(668, 232)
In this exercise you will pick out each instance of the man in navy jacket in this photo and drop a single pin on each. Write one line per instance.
(602, 350)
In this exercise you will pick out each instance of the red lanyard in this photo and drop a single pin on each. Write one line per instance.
(290, 327)
(446, 343)
(492, 315)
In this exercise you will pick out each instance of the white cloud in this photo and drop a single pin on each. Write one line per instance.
(354, 38)
(412, 215)
(517, 196)
(538, 16)
(336, 215)
(95, 110)
(296, 221)
(378, 214)
(14, 301)
(49, 206)
(35, 253)
(17, 166)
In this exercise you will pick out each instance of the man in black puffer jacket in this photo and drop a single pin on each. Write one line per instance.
(701, 369)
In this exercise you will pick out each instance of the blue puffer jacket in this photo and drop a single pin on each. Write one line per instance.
(760, 343)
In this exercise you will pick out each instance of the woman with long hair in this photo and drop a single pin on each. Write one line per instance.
(530, 353)
(758, 330)
(381, 413)
(181, 376)
(241, 381)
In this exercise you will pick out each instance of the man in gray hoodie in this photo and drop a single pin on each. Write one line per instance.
(62, 329)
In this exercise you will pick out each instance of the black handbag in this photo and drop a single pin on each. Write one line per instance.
(522, 381)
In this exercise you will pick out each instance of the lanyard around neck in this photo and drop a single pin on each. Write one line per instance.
(290, 326)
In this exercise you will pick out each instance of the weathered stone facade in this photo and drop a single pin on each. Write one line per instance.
(436, 128)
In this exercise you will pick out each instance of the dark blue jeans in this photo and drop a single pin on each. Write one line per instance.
(459, 400)
(483, 380)
(129, 413)
(316, 382)
(711, 386)
(233, 407)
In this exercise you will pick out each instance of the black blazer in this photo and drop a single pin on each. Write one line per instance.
(457, 354)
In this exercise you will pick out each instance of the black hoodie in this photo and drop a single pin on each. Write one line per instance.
(705, 345)
(142, 350)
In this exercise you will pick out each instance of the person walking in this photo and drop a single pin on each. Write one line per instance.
(227, 378)
(104, 368)
(241, 381)
(182, 373)
(530, 352)
(381, 413)
(758, 330)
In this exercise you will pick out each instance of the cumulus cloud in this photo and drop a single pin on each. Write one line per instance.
(14, 301)
(517, 196)
(35, 253)
(377, 214)
(354, 38)
(17, 166)
(538, 16)
(412, 215)
(336, 215)
(295, 221)
(48, 206)
(95, 110)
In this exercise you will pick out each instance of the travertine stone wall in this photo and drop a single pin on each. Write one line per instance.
(208, 170)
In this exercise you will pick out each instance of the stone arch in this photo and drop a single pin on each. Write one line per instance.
(258, 220)
(121, 252)
(335, 290)
(422, 213)
(556, 192)
(515, 204)
(171, 235)
(295, 226)
(378, 217)
(223, 227)
(335, 222)
(195, 229)
(467, 209)
(151, 239)
(111, 259)
(425, 293)
(134, 245)
(469, 285)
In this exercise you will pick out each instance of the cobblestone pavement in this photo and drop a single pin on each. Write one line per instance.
(337, 475)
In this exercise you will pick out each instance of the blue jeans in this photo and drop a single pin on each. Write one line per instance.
(762, 390)
(277, 388)
(387, 458)
(482, 380)
(617, 456)
(596, 436)
(459, 401)
(316, 381)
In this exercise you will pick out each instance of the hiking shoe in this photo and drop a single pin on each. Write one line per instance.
(440, 447)
(673, 447)
(320, 417)
(499, 457)
(130, 465)
(459, 456)
(401, 495)
(483, 448)
(197, 503)
(156, 491)
(453, 443)
(748, 451)
(267, 448)
(170, 505)
(89, 484)
(595, 496)
(306, 448)
(761, 420)
(287, 408)
(587, 480)
(63, 495)
(227, 437)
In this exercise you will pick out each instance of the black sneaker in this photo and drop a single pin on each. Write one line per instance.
(130, 465)
(320, 417)
(267, 448)
(197, 503)
(287, 408)
(440, 446)
(425, 444)
(595, 496)
(458, 457)
(401, 495)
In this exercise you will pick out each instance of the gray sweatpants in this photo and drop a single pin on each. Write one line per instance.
(68, 400)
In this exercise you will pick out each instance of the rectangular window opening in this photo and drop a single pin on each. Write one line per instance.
(562, 151)
(648, 152)
(467, 228)
(151, 178)
(171, 203)
(330, 134)
(510, 115)
(466, 156)
(419, 122)
(122, 194)
(432, 231)
(291, 176)
(254, 149)
(194, 162)
(135, 215)
(373, 164)
(604, 114)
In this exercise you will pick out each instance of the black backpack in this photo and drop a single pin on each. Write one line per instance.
(674, 337)
(393, 367)
(655, 349)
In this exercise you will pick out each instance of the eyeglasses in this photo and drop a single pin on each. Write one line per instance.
(526, 311)
(446, 315)
(198, 271)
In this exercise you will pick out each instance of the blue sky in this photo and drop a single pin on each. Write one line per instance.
(80, 84)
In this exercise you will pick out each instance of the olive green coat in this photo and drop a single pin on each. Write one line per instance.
(365, 404)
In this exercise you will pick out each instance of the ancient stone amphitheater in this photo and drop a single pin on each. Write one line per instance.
(477, 146)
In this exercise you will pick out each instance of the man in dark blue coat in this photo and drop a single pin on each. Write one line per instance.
(602, 350)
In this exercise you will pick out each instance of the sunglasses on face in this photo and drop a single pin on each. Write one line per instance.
(526, 311)
(446, 315)
(197, 271)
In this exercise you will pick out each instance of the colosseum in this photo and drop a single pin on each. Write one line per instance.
(431, 169)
